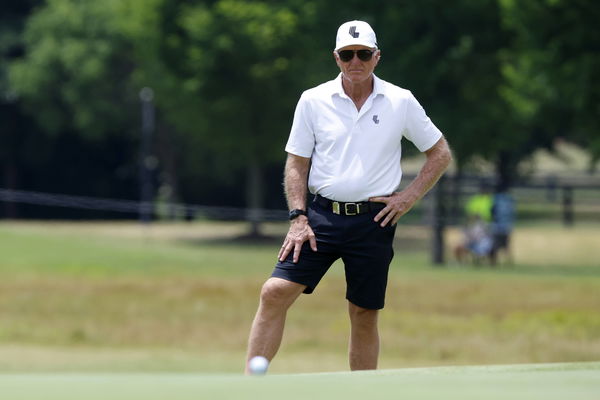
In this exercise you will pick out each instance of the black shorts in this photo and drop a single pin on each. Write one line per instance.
(362, 244)
(501, 241)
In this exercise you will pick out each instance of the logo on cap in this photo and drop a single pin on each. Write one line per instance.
(353, 32)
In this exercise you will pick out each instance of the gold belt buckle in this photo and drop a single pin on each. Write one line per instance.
(336, 207)
(349, 212)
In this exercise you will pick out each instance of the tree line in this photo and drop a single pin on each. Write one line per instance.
(501, 79)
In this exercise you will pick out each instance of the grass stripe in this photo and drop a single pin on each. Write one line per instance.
(576, 381)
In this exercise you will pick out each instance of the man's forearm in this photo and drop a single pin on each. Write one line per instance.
(296, 187)
(295, 181)
(438, 160)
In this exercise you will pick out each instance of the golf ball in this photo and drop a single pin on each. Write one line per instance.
(258, 365)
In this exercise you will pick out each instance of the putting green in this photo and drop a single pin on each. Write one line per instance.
(573, 381)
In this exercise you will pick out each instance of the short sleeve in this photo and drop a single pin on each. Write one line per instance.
(419, 128)
(301, 141)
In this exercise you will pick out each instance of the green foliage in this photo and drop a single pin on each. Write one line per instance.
(236, 68)
(500, 78)
(552, 71)
(449, 57)
(74, 73)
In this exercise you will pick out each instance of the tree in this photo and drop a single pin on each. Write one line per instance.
(16, 129)
(71, 79)
(500, 80)
(553, 70)
(224, 74)
(75, 71)
(228, 76)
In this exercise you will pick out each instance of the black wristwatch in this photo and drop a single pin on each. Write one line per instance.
(295, 213)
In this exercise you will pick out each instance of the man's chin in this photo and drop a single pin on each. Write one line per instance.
(356, 77)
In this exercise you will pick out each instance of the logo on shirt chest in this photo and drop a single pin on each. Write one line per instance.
(376, 119)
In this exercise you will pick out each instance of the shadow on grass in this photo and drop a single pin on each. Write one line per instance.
(400, 244)
(535, 270)
(236, 241)
(553, 270)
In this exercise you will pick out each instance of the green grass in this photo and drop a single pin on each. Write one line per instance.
(579, 381)
(118, 249)
(117, 297)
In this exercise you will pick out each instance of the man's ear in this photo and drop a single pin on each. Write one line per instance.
(336, 58)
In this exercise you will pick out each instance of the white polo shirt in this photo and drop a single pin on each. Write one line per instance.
(356, 154)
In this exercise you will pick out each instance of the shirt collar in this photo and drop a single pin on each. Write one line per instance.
(378, 86)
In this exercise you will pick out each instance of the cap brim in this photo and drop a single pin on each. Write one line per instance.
(356, 43)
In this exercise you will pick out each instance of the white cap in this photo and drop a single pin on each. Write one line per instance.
(353, 33)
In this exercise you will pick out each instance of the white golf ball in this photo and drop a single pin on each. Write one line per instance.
(258, 365)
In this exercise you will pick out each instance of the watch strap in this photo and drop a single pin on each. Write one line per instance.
(295, 213)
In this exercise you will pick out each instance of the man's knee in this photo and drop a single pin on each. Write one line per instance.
(278, 292)
(361, 317)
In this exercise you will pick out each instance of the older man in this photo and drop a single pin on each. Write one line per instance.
(345, 148)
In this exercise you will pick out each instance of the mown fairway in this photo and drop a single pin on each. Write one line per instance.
(516, 382)
(94, 297)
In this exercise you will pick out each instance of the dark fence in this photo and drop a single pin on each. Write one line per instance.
(562, 199)
(133, 209)
(568, 200)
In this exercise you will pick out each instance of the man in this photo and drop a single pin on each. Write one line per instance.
(503, 219)
(347, 132)
(477, 241)
(480, 204)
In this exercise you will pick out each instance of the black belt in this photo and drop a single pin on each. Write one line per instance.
(348, 208)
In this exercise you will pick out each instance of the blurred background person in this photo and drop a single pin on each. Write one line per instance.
(477, 242)
(503, 218)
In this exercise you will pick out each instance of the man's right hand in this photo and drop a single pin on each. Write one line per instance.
(299, 233)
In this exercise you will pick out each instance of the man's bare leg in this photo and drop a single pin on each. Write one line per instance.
(364, 338)
(276, 297)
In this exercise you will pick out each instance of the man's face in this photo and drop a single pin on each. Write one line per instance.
(356, 70)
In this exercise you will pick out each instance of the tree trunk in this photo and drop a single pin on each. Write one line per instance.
(254, 198)
(169, 187)
(10, 182)
(455, 214)
(439, 222)
(506, 170)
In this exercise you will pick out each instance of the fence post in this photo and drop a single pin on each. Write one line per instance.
(439, 222)
(147, 162)
(551, 185)
(455, 207)
(567, 203)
